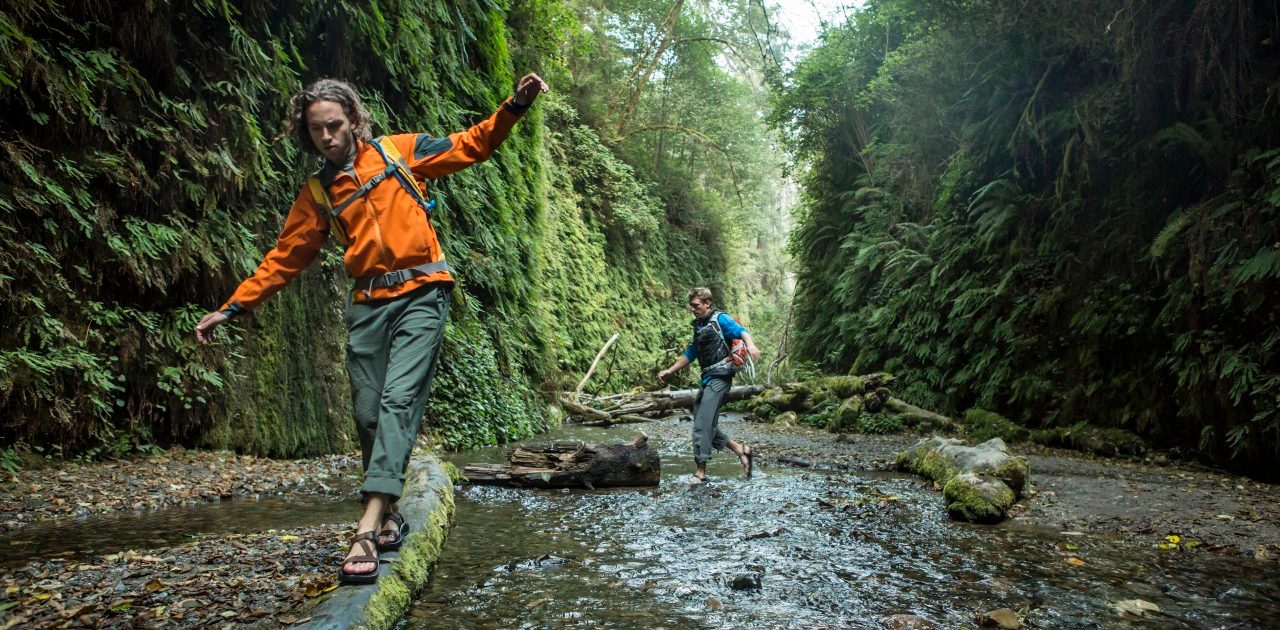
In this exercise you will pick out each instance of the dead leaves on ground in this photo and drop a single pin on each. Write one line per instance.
(177, 477)
(270, 577)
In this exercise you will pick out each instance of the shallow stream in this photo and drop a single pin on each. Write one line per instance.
(826, 549)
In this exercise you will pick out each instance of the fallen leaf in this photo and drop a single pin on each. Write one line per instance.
(1075, 562)
(154, 585)
(290, 538)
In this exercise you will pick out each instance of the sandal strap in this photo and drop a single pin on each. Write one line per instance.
(394, 517)
(366, 541)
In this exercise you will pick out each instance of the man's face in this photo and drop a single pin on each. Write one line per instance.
(700, 308)
(330, 130)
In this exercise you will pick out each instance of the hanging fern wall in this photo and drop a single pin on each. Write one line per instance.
(143, 172)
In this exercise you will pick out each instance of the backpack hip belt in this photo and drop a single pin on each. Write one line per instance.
(399, 277)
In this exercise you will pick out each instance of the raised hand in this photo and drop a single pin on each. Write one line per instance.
(528, 89)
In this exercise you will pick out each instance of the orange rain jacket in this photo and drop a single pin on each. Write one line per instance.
(387, 229)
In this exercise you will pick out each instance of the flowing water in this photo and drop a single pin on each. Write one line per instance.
(805, 549)
(109, 533)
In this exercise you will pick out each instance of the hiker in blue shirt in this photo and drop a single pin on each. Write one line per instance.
(712, 333)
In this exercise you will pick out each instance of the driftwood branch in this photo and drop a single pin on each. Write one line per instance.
(577, 410)
(603, 349)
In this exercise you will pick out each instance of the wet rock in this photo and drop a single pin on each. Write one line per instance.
(1002, 618)
(1135, 607)
(906, 622)
(997, 584)
(749, 581)
(979, 483)
(787, 419)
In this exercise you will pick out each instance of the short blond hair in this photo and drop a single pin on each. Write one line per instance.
(701, 293)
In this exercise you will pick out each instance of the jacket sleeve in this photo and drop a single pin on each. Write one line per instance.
(437, 157)
(303, 234)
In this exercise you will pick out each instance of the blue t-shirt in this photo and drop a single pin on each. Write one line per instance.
(731, 329)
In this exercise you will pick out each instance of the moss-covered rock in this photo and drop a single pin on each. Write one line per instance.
(980, 483)
(977, 500)
(786, 419)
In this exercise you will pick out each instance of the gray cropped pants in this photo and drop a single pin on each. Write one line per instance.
(706, 420)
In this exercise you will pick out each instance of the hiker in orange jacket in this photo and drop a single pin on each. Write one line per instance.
(369, 194)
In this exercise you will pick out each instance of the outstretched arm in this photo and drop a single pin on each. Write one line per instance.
(675, 367)
(303, 234)
(685, 359)
(437, 157)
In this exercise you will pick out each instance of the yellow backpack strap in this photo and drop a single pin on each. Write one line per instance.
(321, 197)
(392, 156)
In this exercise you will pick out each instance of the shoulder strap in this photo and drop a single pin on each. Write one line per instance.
(321, 197)
(715, 321)
(391, 155)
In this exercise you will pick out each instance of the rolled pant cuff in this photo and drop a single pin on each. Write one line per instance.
(385, 485)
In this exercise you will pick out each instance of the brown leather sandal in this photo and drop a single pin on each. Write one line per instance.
(371, 555)
(401, 531)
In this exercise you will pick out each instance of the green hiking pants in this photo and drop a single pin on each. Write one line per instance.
(392, 349)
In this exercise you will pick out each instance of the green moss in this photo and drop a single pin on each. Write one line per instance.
(786, 419)
(1013, 472)
(1088, 438)
(844, 386)
(846, 415)
(969, 499)
(412, 568)
(455, 476)
(981, 425)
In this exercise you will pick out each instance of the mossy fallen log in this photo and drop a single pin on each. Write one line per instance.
(606, 411)
(918, 418)
(572, 464)
(979, 483)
